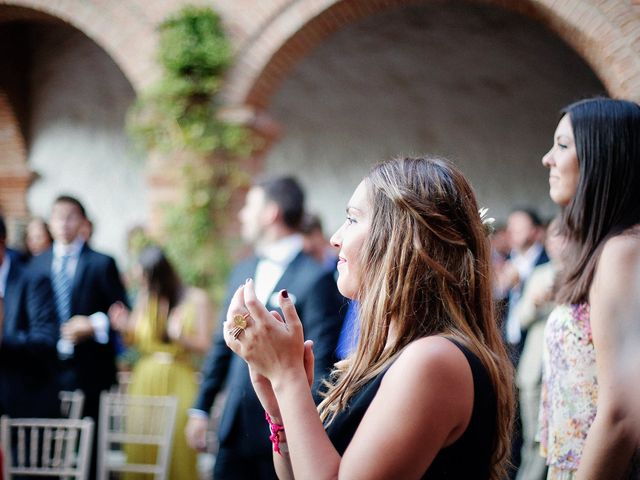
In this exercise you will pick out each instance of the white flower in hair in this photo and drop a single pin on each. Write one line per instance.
(487, 222)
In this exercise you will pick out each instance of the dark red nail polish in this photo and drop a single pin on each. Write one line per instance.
(284, 293)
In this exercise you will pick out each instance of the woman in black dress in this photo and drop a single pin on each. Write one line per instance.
(428, 391)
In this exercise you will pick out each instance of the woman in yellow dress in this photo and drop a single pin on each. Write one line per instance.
(168, 325)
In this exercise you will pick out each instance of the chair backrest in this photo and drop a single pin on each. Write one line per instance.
(46, 447)
(71, 403)
(135, 434)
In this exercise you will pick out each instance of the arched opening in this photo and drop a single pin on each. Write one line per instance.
(477, 83)
(70, 100)
(604, 35)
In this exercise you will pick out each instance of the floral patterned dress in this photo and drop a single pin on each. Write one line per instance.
(569, 389)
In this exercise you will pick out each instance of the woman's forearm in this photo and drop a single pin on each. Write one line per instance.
(609, 448)
(282, 464)
(311, 453)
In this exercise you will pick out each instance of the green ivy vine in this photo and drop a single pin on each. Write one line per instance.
(178, 117)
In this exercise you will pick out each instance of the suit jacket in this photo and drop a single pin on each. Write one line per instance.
(318, 302)
(533, 319)
(540, 260)
(28, 383)
(96, 286)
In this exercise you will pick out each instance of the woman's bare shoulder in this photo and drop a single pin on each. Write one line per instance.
(622, 250)
(618, 266)
(433, 377)
(432, 355)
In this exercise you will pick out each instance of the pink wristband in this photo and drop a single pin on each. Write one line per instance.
(274, 428)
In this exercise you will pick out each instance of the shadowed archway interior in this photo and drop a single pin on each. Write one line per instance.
(479, 84)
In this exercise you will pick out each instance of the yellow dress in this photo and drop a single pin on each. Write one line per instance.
(164, 368)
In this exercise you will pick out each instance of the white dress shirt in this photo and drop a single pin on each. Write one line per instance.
(4, 273)
(275, 257)
(524, 263)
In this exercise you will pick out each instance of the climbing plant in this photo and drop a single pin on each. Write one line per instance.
(178, 117)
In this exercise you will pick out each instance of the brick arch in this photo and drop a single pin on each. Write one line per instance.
(124, 30)
(15, 176)
(606, 35)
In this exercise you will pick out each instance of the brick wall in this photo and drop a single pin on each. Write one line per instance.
(606, 33)
(270, 36)
(15, 176)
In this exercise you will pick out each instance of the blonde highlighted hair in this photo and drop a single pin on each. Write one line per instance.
(426, 268)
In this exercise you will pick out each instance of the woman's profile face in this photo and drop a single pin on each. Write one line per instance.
(349, 239)
(562, 162)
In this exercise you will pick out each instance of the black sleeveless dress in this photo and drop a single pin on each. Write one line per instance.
(467, 458)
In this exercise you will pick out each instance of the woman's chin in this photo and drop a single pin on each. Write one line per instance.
(558, 198)
(346, 290)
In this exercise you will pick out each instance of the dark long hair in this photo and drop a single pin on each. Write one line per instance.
(607, 198)
(161, 278)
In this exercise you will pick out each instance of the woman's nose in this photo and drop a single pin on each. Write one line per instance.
(336, 238)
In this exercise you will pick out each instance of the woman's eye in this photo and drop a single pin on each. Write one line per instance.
(351, 220)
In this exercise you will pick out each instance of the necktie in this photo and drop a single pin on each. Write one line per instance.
(62, 294)
(62, 289)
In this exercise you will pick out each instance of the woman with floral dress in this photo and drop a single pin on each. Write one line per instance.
(594, 173)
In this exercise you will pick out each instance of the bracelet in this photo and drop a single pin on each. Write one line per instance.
(275, 428)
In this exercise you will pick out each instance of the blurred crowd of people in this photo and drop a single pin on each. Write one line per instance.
(526, 256)
(392, 350)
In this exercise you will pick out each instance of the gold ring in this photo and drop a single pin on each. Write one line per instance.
(240, 321)
(239, 324)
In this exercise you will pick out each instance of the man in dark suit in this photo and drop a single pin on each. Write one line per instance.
(85, 284)
(270, 219)
(525, 234)
(28, 335)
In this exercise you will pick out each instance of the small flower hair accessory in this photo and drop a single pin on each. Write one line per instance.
(487, 222)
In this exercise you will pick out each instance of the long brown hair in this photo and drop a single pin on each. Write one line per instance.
(607, 198)
(426, 268)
